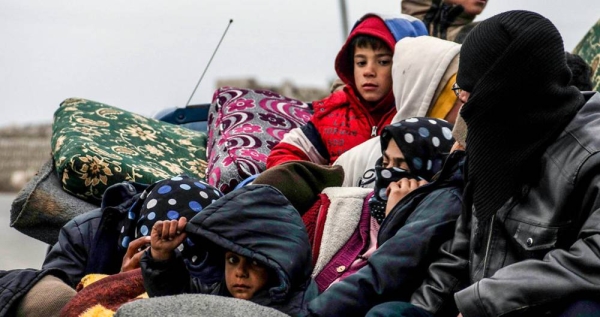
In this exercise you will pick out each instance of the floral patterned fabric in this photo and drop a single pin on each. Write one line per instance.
(589, 50)
(243, 126)
(95, 145)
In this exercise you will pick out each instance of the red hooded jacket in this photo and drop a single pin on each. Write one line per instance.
(343, 119)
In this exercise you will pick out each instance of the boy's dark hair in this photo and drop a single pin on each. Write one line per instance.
(582, 72)
(365, 41)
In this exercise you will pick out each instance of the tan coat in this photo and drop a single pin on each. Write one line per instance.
(449, 27)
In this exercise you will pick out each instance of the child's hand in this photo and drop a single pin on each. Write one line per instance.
(165, 237)
(398, 190)
(136, 248)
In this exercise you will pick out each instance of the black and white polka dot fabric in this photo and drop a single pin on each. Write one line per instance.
(168, 199)
(424, 142)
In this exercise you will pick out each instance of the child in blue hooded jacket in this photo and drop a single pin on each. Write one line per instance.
(252, 236)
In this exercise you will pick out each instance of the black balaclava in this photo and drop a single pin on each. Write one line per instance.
(424, 142)
(513, 64)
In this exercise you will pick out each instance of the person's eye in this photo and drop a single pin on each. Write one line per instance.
(385, 62)
(361, 63)
(384, 163)
(232, 259)
(255, 263)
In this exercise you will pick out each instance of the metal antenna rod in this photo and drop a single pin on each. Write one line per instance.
(211, 58)
(344, 14)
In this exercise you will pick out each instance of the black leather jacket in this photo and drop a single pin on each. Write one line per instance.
(543, 248)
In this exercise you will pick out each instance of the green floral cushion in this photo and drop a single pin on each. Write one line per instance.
(589, 50)
(95, 145)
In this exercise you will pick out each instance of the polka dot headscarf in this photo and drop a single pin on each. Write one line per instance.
(169, 199)
(424, 142)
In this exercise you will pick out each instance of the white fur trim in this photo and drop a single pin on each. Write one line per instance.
(342, 220)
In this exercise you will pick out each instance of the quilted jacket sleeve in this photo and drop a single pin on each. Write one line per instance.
(172, 277)
(448, 274)
(162, 278)
(71, 252)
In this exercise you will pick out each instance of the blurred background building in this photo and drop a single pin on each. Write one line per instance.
(23, 150)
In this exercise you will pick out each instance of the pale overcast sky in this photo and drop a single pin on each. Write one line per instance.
(147, 55)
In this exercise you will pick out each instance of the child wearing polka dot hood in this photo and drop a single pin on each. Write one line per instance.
(249, 244)
(169, 199)
(112, 238)
(403, 221)
(424, 144)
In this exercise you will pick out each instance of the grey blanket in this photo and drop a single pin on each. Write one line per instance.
(42, 207)
(195, 305)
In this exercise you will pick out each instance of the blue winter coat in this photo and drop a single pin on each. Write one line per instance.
(257, 222)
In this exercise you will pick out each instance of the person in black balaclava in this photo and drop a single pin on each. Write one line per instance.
(528, 238)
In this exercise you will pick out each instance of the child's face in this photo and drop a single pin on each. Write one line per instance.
(244, 277)
(373, 72)
(393, 156)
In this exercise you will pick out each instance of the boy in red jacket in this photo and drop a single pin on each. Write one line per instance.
(364, 106)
